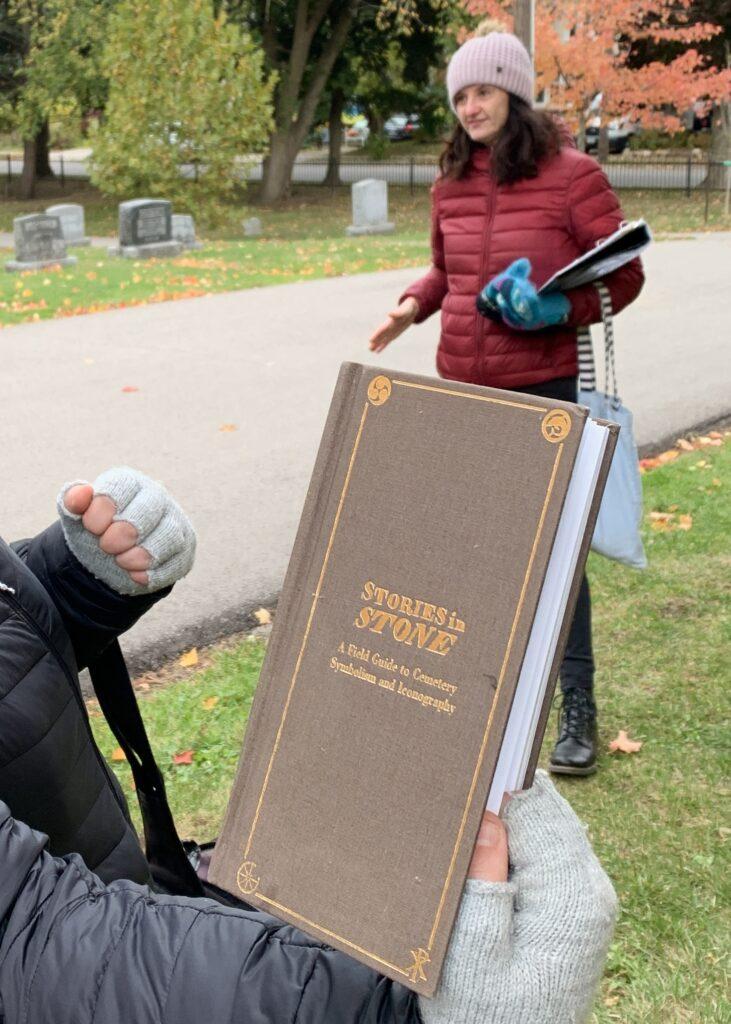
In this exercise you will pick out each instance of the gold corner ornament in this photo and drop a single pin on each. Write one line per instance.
(416, 971)
(245, 879)
(556, 425)
(379, 390)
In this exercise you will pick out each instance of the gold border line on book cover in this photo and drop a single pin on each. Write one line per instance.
(307, 629)
(416, 967)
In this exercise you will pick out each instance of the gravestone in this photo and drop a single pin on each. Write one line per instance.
(370, 208)
(252, 227)
(38, 243)
(183, 227)
(71, 216)
(145, 230)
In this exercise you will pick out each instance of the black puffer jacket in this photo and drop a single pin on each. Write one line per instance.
(74, 950)
(55, 619)
(77, 952)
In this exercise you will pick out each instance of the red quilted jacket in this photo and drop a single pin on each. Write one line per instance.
(480, 227)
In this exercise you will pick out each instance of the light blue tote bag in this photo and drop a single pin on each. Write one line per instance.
(617, 530)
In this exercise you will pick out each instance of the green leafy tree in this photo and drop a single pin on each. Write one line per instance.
(49, 64)
(188, 99)
(302, 40)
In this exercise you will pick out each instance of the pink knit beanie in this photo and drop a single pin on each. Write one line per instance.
(496, 59)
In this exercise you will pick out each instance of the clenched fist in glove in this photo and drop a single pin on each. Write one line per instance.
(127, 531)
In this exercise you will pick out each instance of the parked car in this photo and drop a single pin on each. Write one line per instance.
(618, 139)
(401, 126)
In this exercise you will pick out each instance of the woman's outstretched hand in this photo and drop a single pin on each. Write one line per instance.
(398, 320)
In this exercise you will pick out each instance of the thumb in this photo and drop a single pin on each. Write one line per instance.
(78, 498)
(520, 268)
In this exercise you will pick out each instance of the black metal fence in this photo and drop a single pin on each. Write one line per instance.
(687, 174)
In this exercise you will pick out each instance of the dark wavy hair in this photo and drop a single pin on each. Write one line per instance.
(528, 136)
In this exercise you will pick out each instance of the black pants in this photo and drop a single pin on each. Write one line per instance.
(577, 668)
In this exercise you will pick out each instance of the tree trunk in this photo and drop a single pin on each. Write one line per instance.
(335, 143)
(720, 145)
(43, 163)
(295, 112)
(28, 177)
(277, 176)
(375, 122)
(602, 149)
(581, 137)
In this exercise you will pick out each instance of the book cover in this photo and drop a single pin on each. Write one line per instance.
(390, 671)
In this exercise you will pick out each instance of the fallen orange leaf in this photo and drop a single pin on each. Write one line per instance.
(184, 757)
(624, 744)
(118, 755)
(209, 703)
(684, 445)
(715, 435)
(262, 616)
(667, 456)
(685, 522)
(649, 463)
(189, 659)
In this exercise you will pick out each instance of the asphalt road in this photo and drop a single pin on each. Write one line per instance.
(264, 361)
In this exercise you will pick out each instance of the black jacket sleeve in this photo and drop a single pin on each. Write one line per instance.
(93, 614)
(74, 951)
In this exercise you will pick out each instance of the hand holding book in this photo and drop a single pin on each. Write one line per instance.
(490, 857)
(531, 948)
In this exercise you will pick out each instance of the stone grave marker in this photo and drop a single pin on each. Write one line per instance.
(71, 216)
(183, 227)
(370, 208)
(38, 243)
(145, 230)
(252, 227)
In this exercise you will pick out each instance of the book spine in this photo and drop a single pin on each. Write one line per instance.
(571, 605)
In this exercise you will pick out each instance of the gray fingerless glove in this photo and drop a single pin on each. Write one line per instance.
(531, 949)
(163, 529)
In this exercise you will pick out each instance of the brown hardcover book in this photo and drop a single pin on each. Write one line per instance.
(396, 652)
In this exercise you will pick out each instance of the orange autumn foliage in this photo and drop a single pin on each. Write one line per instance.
(583, 47)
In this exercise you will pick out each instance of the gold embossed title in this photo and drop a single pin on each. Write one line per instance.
(409, 620)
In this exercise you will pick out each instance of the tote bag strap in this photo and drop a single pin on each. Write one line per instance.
(587, 370)
(169, 864)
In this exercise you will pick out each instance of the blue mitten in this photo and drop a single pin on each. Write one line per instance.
(514, 296)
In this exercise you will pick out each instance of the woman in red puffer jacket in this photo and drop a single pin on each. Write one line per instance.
(514, 203)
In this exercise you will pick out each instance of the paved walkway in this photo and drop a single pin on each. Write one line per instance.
(265, 361)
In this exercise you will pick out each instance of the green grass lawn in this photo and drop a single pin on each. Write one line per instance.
(304, 238)
(658, 819)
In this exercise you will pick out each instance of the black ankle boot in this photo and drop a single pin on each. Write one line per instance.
(575, 751)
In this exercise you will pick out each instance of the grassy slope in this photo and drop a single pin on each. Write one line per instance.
(303, 239)
(657, 818)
